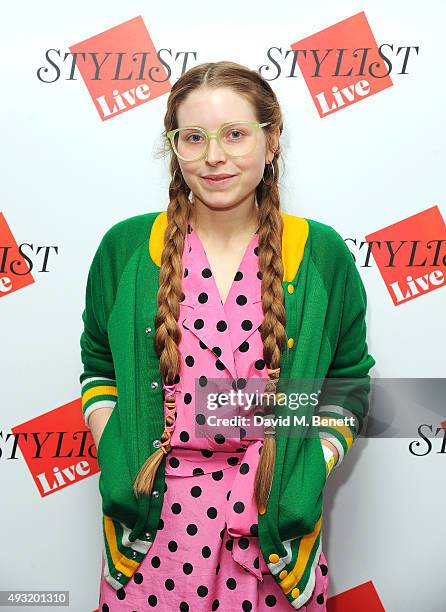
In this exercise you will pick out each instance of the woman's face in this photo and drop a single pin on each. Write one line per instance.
(209, 108)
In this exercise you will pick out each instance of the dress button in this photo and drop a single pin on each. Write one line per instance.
(148, 330)
(155, 493)
(154, 384)
(290, 288)
(157, 443)
(290, 342)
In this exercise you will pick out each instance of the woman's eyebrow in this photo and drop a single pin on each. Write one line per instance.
(204, 128)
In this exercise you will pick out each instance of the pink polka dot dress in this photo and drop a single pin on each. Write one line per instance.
(206, 553)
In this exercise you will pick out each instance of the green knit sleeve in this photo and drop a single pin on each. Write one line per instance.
(98, 383)
(347, 385)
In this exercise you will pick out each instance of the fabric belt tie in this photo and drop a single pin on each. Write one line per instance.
(245, 545)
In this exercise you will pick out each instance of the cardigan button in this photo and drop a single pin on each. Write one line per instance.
(295, 592)
(155, 493)
(118, 575)
(147, 535)
(154, 384)
(274, 558)
(290, 342)
(290, 288)
(157, 443)
(148, 330)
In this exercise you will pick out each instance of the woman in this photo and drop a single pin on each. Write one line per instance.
(202, 522)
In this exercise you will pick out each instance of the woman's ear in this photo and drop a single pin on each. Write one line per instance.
(273, 146)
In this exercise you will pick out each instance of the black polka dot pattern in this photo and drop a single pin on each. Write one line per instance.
(206, 553)
(224, 330)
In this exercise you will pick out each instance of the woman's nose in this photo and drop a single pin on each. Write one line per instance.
(215, 152)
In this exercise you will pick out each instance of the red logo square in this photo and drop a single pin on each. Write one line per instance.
(58, 448)
(14, 271)
(121, 68)
(342, 65)
(409, 255)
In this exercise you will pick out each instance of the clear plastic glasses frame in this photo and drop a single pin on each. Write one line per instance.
(208, 135)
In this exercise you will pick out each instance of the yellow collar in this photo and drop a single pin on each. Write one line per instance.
(294, 238)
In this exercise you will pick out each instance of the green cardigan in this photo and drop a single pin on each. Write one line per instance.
(325, 303)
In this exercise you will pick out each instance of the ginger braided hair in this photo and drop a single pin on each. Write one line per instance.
(258, 92)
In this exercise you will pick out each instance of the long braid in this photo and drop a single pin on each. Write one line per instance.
(168, 333)
(272, 330)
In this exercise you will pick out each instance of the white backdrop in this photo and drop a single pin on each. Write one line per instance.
(68, 176)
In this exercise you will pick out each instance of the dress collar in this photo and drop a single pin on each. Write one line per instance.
(221, 328)
(294, 239)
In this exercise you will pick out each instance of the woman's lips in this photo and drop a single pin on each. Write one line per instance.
(212, 181)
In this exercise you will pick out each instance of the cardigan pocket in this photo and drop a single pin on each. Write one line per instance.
(301, 500)
(115, 484)
(322, 456)
(104, 435)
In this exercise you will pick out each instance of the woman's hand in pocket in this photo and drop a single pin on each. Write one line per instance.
(97, 422)
(333, 448)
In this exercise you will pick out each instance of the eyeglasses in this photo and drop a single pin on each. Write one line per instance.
(191, 143)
